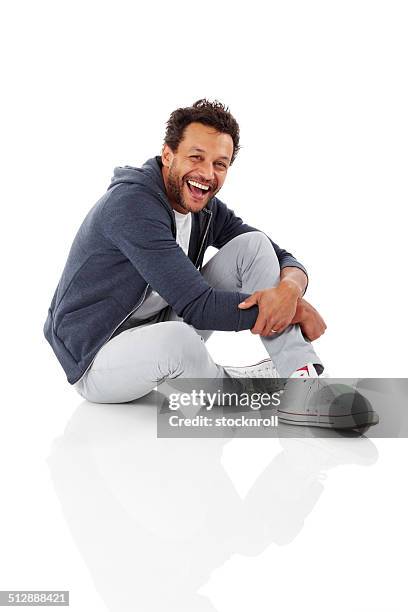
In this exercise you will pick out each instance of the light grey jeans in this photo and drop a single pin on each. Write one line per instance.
(132, 363)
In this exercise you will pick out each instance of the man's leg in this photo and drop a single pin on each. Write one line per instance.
(132, 364)
(248, 263)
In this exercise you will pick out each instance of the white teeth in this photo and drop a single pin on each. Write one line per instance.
(199, 185)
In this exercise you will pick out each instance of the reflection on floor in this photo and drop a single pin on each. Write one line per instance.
(153, 518)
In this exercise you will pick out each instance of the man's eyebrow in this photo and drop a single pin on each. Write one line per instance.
(203, 151)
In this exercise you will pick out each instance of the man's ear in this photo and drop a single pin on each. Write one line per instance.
(167, 156)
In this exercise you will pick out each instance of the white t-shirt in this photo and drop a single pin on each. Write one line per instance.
(154, 303)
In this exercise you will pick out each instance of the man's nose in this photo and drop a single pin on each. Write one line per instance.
(206, 170)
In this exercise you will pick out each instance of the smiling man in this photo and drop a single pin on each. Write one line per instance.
(191, 175)
(135, 305)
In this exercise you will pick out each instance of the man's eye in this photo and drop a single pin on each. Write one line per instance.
(194, 157)
(221, 165)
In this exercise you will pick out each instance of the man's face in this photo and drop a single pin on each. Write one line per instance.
(197, 170)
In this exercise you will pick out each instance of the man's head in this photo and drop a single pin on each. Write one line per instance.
(200, 144)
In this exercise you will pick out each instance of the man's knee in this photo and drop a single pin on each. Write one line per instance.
(253, 242)
(183, 348)
(252, 245)
(180, 335)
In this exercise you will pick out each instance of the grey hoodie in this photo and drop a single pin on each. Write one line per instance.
(128, 242)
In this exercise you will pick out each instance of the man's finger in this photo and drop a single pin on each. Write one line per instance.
(259, 325)
(272, 327)
(277, 325)
(251, 301)
(278, 328)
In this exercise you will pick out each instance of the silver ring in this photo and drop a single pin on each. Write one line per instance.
(273, 331)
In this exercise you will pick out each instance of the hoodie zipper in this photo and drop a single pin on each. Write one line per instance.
(205, 210)
(139, 303)
(209, 212)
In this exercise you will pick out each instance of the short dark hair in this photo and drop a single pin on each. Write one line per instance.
(214, 114)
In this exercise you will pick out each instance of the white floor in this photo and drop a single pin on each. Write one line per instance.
(94, 503)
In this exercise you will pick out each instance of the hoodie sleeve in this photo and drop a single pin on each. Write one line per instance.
(228, 225)
(138, 225)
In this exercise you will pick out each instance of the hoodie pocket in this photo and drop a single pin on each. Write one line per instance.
(85, 330)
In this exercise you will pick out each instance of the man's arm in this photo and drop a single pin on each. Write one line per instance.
(296, 276)
(137, 224)
(310, 321)
(282, 306)
(279, 306)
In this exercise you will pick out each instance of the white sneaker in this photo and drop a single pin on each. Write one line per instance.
(254, 378)
(262, 369)
(318, 401)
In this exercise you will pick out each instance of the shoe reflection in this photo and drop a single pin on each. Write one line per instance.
(153, 518)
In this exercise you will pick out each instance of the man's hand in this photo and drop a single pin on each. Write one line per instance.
(310, 321)
(277, 307)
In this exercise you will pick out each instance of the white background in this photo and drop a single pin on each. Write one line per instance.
(320, 92)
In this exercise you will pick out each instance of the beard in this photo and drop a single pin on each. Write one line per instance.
(175, 189)
(175, 184)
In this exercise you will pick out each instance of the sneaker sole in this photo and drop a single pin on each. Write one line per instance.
(358, 420)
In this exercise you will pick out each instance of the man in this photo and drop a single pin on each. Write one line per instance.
(134, 305)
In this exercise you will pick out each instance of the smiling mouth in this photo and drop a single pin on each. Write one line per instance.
(198, 190)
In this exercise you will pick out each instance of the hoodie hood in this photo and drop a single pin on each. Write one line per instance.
(149, 175)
